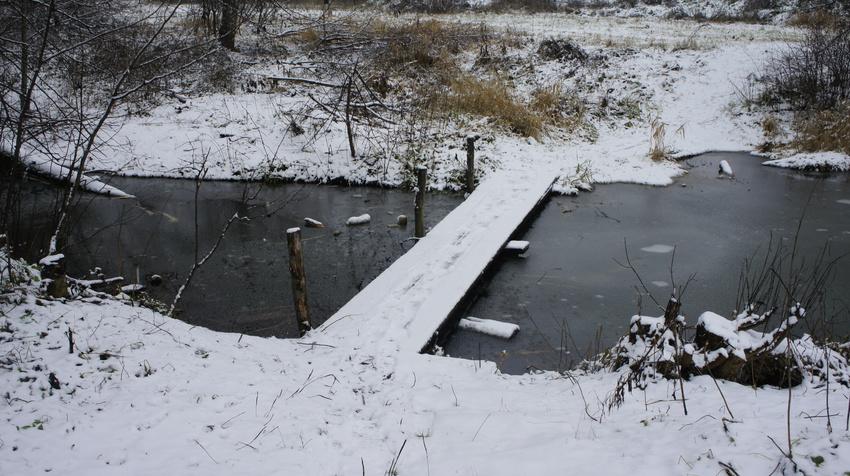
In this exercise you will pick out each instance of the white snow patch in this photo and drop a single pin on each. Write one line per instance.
(517, 245)
(59, 172)
(359, 220)
(820, 160)
(726, 168)
(51, 260)
(658, 249)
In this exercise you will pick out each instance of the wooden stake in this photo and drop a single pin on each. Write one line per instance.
(53, 269)
(419, 209)
(470, 163)
(299, 280)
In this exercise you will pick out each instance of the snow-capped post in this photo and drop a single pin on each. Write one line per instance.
(53, 273)
(419, 209)
(299, 280)
(470, 162)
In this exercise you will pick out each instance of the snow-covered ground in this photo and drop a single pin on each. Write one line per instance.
(145, 394)
(686, 75)
(691, 78)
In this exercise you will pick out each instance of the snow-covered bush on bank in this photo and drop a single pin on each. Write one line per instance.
(757, 346)
(728, 349)
(812, 81)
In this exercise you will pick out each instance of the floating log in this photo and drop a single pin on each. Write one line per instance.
(490, 327)
(517, 246)
(359, 220)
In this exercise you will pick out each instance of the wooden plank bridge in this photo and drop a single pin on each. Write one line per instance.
(409, 303)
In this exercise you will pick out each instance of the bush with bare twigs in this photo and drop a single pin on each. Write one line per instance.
(815, 74)
(756, 347)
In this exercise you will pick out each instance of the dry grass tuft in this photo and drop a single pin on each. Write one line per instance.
(493, 98)
(309, 35)
(560, 106)
(772, 131)
(827, 130)
(659, 149)
(657, 146)
(422, 44)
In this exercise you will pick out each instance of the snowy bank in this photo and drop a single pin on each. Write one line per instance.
(141, 393)
(823, 161)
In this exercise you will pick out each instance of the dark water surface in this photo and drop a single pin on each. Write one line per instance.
(570, 294)
(245, 286)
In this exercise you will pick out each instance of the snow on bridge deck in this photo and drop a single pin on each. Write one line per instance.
(404, 307)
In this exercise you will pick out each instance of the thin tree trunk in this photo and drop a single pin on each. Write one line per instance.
(229, 24)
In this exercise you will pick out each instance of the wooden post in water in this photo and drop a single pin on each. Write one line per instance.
(470, 163)
(419, 209)
(299, 280)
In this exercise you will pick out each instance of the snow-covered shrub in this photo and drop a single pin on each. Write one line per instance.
(823, 362)
(652, 348)
(728, 349)
(813, 75)
(14, 272)
(562, 50)
(733, 350)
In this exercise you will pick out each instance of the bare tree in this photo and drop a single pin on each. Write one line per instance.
(72, 69)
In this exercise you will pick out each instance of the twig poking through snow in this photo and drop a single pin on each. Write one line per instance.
(481, 426)
(205, 451)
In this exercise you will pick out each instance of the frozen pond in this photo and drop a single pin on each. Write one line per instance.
(570, 296)
(245, 286)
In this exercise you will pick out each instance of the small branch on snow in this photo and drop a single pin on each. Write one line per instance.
(205, 451)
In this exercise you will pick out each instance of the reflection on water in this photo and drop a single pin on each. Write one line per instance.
(572, 281)
(245, 285)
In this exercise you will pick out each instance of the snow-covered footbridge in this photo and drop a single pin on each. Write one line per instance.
(404, 307)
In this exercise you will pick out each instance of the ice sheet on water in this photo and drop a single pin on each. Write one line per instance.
(658, 249)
